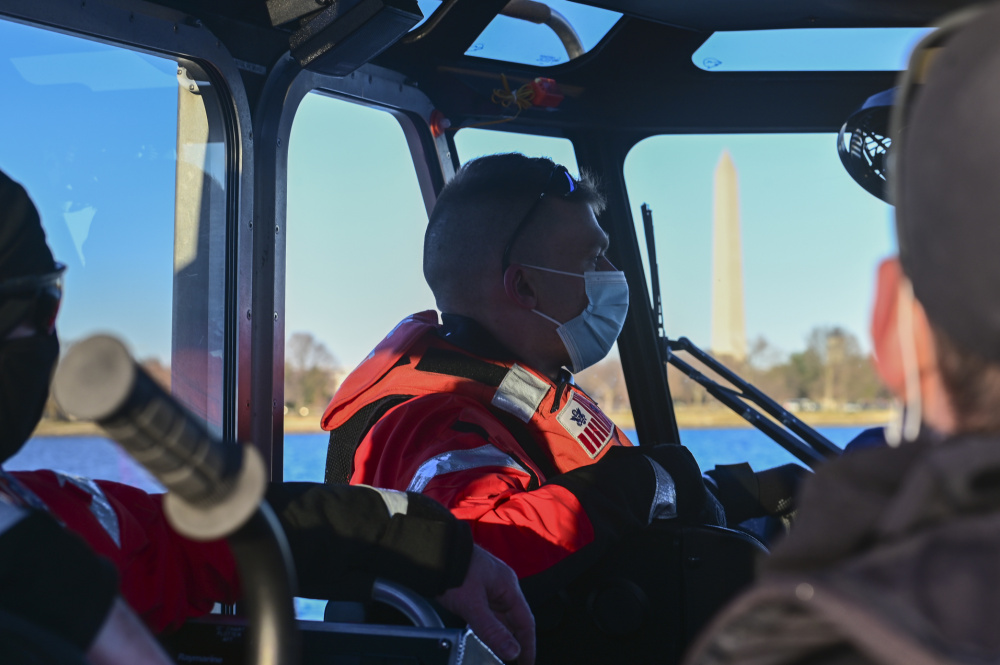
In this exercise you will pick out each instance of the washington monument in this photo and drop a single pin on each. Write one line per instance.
(729, 330)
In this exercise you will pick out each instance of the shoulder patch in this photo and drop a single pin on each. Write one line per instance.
(520, 393)
(586, 423)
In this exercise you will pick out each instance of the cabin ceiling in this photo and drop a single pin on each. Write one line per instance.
(639, 80)
(713, 15)
(702, 15)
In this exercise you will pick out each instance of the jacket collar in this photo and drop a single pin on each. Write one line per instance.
(469, 335)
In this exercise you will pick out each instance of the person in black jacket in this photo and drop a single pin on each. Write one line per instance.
(893, 559)
(59, 601)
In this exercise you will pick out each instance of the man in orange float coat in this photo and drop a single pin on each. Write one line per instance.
(480, 412)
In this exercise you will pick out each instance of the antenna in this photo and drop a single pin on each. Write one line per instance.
(789, 432)
(647, 223)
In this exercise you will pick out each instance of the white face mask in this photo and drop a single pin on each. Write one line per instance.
(589, 336)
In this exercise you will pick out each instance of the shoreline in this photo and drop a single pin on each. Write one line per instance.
(717, 418)
(687, 418)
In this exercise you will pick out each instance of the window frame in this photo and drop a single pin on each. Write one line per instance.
(433, 160)
(166, 33)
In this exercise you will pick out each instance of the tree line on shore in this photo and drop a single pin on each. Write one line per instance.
(831, 373)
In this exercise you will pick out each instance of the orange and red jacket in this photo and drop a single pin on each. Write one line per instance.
(506, 449)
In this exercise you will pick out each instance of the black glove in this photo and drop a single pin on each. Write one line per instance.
(695, 505)
(746, 495)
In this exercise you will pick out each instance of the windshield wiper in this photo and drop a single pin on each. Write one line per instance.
(788, 431)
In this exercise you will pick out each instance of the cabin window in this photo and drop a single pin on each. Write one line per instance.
(526, 42)
(808, 49)
(787, 303)
(474, 142)
(353, 266)
(122, 153)
(427, 8)
(356, 221)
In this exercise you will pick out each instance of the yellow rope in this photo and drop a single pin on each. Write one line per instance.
(521, 97)
(505, 97)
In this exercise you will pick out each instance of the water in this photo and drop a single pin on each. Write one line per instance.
(87, 456)
(305, 460)
(305, 454)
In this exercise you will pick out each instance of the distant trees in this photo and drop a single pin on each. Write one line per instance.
(605, 383)
(159, 372)
(312, 374)
(831, 373)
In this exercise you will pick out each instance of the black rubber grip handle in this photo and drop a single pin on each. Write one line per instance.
(98, 380)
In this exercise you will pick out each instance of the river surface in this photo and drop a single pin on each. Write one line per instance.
(305, 454)
(305, 460)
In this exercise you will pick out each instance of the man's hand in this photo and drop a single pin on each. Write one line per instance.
(491, 601)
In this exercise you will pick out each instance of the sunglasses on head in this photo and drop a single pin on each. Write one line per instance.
(46, 291)
(561, 184)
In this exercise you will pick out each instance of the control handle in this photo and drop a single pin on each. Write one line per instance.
(214, 487)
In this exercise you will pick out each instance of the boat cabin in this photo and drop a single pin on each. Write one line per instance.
(239, 190)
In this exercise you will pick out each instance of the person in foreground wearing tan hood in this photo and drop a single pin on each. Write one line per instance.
(894, 556)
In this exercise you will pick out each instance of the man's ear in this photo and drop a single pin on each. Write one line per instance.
(517, 284)
(888, 358)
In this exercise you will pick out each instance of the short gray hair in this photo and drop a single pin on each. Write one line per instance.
(477, 213)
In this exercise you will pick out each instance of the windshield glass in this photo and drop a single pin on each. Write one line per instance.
(123, 155)
(812, 49)
(531, 43)
(767, 251)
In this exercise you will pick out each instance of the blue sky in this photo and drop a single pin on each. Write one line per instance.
(817, 49)
(811, 236)
(95, 147)
(97, 153)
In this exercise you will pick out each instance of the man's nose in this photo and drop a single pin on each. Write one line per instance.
(605, 264)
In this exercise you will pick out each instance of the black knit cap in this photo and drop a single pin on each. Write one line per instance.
(948, 188)
(22, 249)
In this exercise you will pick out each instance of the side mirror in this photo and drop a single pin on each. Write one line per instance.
(864, 142)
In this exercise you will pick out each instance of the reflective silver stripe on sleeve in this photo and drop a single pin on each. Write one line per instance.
(99, 505)
(9, 515)
(520, 393)
(396, 502)
(461, 460)
(664, 504)
(18, 494)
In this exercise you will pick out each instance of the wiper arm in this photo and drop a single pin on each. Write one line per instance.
(798, 438)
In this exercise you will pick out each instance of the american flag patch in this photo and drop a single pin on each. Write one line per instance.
(586, 423)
